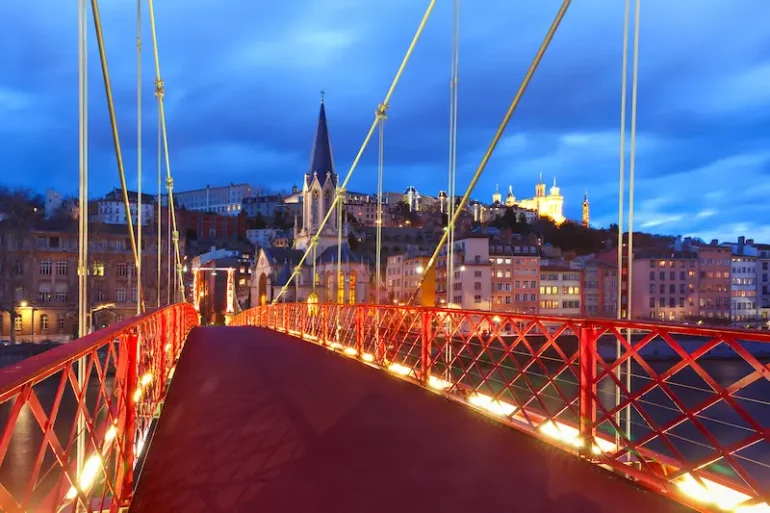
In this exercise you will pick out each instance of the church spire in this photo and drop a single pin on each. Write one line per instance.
(586, 211)
(321, 160)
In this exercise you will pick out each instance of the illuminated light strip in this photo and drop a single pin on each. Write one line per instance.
(565, 434)
(350, 351)
(401, 370)
(92, 466)
(367, 357)
(438, 383)
(603, 445)
(723, 497)
(495, 406)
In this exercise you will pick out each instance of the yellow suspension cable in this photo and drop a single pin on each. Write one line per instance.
(378, 229)
(381, 109)
(514, 103)
(160, 92)
(115, 136)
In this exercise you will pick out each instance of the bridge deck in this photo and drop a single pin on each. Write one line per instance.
(259, 421)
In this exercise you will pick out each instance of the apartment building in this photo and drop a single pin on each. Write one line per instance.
(38, 278)
(403, 274)
(763, 283)
(665, 285)
(560, 290)
(112, 209)
(472, 288)
(714, 270)
(526, 276)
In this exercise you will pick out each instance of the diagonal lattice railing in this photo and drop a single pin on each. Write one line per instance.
(127, 370)
(682, 410)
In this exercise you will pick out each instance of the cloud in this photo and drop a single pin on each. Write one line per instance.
(243, 82)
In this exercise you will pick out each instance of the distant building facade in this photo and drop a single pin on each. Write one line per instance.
(225, 200)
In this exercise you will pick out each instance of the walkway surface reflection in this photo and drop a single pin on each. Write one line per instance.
(260, 421)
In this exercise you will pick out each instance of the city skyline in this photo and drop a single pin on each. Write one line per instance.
(245, 100)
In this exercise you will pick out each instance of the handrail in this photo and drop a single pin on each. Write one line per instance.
(128, 366)
(700, 422)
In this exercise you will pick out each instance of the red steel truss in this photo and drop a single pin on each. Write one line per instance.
(682, 410)
(127, 367)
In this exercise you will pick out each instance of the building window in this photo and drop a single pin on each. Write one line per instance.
(98, 269)
(61, 297)
(122, 269)
(121, 294)
(17, 322)
(44, 322)
(62, 268)
(45, 268)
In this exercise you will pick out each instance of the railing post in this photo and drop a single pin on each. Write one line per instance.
(359, 329)
(129, 429)
(162, 356)
(425, 347)
(587, 397)
(324, 325)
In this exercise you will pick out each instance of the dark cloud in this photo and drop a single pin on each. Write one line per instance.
(242, 81)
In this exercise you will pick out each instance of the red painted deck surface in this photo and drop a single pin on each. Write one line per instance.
(258, 421)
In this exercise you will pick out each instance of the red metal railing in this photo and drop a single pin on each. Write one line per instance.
(682, 410)
(49, 405)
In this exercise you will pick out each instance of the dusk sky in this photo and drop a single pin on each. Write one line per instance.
(242, 91)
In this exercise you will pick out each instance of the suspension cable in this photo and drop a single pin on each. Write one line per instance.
(160, 91)
(631, 180)
(495, 140)
(139, 153)
(378, 229)
(621, 197)
(340, 276)
(453, 82)
(115, 136)
(381, 109)
(82, 217)
(159, 214)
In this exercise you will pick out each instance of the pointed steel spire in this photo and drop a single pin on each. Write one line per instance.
(321, 159)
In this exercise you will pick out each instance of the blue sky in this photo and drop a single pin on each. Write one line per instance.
(243, 81)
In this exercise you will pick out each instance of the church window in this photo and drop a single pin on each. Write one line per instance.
(314, 209)
(352, 291)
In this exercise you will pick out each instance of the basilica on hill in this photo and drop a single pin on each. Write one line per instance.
(549, 205)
